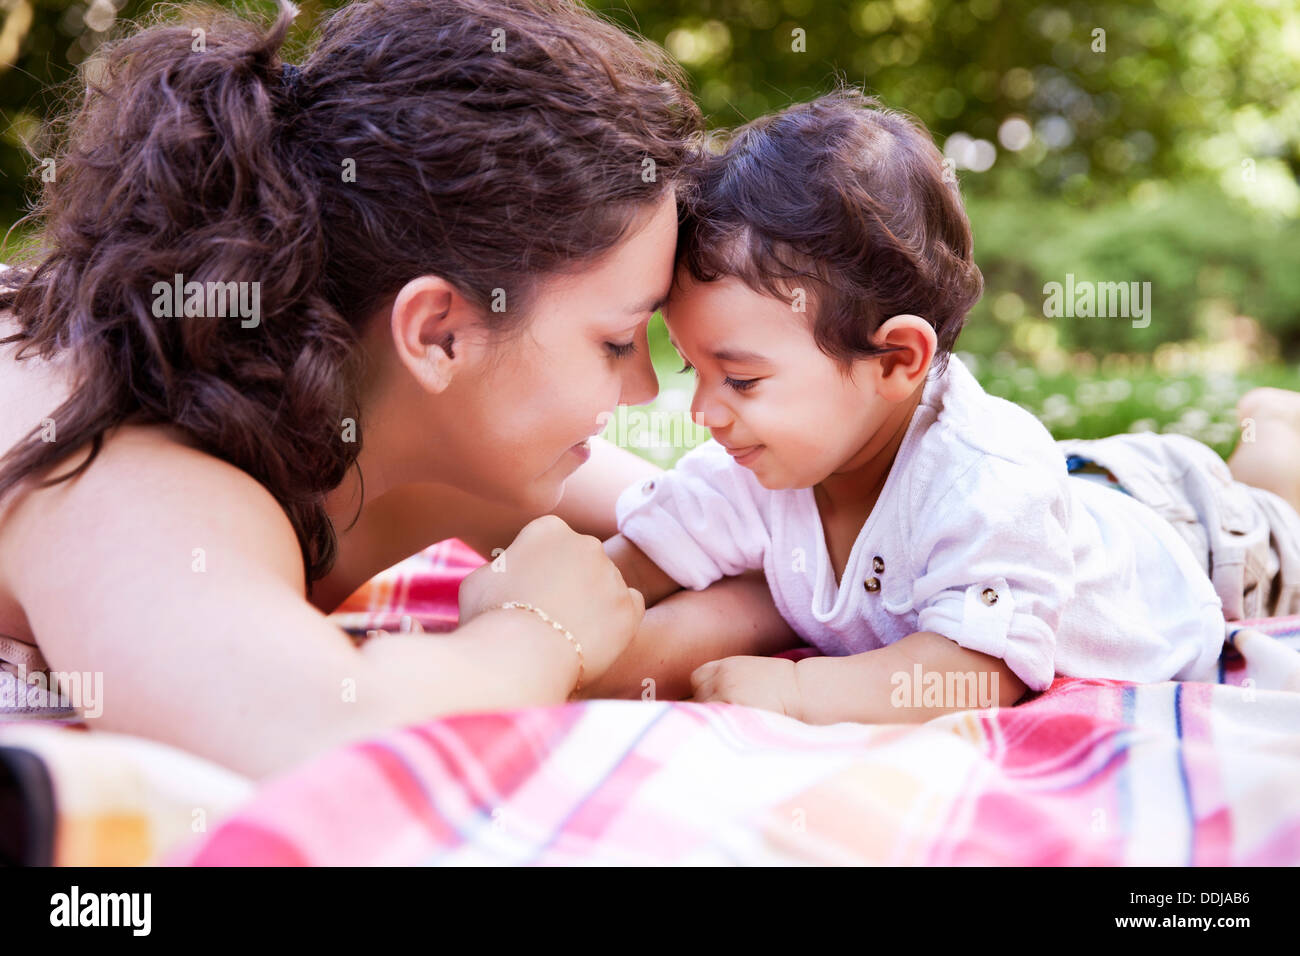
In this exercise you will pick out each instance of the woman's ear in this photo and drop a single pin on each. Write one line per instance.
(431, 324)
(902, 371)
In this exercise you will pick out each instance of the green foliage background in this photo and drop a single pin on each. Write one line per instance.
(1165, 148)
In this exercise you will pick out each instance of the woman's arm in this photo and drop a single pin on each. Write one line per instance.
(178, 578)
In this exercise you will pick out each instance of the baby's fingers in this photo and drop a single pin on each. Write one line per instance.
(704, 681)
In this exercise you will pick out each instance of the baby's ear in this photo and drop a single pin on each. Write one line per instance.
(914, 343)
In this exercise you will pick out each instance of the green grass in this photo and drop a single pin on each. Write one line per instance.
(1198, 404)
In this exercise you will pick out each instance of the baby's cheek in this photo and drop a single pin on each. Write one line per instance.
(799, 463)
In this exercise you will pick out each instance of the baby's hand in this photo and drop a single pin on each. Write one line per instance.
(766, 682)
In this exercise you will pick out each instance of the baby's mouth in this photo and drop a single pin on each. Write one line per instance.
(746, 454)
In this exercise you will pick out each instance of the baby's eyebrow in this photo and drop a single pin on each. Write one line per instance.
(739, 356)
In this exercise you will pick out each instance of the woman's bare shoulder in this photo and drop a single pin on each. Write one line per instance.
(150, 492)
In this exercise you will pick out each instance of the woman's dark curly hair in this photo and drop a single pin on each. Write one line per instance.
(491, 142)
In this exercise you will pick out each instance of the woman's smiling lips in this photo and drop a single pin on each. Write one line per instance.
(583, 449)
(744, 456)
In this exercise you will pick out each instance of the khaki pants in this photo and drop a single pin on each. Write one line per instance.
(1246, 538)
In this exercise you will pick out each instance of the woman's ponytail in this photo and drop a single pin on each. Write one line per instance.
(219, 230)
(183, 263)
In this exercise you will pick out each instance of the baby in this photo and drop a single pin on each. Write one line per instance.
(932, 541)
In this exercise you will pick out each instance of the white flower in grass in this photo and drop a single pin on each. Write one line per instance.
(1026, 379)
(1089, 394)
(1219, 433)
(1173, 395)
(1118, 389)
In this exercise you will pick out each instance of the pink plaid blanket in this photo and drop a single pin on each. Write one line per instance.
(1089, 772)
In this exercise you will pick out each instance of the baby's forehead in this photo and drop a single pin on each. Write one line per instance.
(687, 288)
(695, 305)
(691, 296)
(728, 310)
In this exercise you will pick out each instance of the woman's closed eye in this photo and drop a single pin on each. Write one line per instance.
(621, 350)
(736, 384)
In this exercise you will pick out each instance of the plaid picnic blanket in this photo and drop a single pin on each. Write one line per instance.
(1088, 772)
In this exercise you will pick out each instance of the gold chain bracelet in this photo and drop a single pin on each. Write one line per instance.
(525, 606)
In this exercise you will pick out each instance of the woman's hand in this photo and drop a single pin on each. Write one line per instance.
(567, 575)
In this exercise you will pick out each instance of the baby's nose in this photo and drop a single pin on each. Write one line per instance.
(708, 413)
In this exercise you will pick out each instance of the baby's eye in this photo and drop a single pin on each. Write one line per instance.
(621, 351)
(736, 384)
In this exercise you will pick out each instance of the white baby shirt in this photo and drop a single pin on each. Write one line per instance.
(979, 534)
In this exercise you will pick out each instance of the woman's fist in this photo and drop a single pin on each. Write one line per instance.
(567, 575)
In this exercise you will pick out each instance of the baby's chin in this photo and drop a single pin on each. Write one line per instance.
(773, 479)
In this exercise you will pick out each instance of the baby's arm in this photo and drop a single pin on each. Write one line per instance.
(639, 571)
(688, 628)
(703, 522)
(865, 687)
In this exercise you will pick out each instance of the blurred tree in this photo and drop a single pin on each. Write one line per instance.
(1084, 98)
(1111, 106)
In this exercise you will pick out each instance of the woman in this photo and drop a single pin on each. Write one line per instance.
(445, 235)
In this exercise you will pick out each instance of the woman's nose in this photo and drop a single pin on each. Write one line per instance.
(641, 384)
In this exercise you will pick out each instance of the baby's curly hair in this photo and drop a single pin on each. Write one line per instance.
(846, 197)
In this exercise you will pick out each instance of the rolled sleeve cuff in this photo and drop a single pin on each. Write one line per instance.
(983, 618)
(661, 536)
